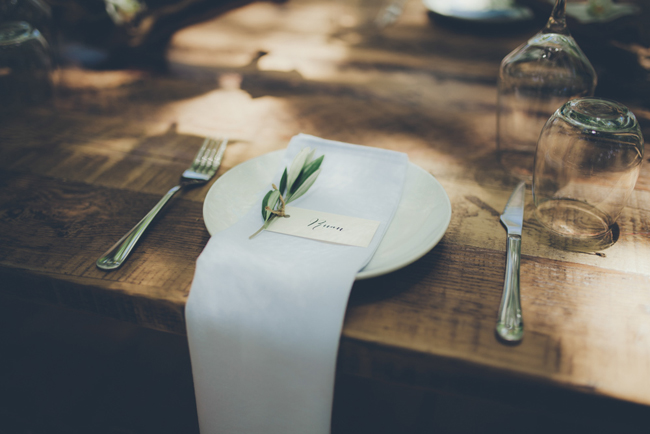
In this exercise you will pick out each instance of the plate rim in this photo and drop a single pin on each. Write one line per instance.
(429, 246)
(517, 14)
(363, 274)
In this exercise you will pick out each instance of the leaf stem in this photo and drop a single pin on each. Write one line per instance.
(274, 214)
(264, 226)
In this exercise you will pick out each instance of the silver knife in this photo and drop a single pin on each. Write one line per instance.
(510, 326)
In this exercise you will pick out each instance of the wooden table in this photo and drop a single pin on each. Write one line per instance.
(75, 179)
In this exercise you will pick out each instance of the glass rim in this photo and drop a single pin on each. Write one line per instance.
(16, 32)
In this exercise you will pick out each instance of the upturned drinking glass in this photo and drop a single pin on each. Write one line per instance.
(587, 162)
(26, 70)
(534, 80)
(35, 12)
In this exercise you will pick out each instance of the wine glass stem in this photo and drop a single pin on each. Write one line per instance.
(557, 21)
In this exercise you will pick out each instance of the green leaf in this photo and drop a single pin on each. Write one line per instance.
(273, 202)
(268, 222)
(296, 166)
(306, 173)
(305, 186)
(265, 202)
(283, 181)
(309, 158)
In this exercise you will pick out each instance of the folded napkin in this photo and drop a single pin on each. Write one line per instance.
(264, 315)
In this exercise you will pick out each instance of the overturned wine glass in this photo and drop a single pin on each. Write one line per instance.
(534, 80)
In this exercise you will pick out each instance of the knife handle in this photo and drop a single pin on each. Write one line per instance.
(510, 326)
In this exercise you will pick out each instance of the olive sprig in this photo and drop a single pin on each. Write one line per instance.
(294, 183)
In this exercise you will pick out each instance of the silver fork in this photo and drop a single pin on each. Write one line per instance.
(205, 165)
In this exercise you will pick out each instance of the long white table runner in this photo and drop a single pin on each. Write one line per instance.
(264, 316)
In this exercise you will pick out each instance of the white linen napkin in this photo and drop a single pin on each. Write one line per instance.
(264, 316)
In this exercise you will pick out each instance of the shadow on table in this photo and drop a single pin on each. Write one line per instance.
(63, 371)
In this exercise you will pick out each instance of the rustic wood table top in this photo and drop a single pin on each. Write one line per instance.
(76, 177)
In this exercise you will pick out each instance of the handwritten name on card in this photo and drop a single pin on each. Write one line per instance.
(323, 226)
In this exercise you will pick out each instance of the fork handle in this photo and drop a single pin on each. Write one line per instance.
(510, 326)
(116, 255)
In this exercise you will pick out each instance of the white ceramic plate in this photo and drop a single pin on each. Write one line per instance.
(419, 223)
(478, 11)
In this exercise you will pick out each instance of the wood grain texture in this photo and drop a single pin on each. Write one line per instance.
(76, 176)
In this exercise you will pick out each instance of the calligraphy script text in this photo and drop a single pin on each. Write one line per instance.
(322, 224)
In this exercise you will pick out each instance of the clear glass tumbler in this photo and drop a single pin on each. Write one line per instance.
(35, 12)
(534, 80)
(26, 69)
(587, 162)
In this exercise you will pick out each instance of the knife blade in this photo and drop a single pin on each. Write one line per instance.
(510, 326)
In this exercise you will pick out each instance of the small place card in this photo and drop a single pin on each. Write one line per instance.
(323, 226)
